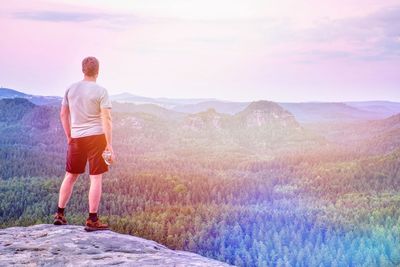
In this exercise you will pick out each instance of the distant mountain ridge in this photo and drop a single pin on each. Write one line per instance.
(330, 112)
(36, 99)
(262, 128)
(262, 125)
(219, 106)
(162, 101)
(13, 109)
(10, 93)
(388, 108)
(258, 114)
(307, 112)
(304, 112)
(209, 119)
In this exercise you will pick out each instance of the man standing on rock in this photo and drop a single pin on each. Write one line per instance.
(86, 119)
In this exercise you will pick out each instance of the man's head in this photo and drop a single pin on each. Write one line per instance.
(90, 66)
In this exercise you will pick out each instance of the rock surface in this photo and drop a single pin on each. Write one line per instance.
(71, 245)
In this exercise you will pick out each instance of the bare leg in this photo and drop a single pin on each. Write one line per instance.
(66, 188)
(95, 192)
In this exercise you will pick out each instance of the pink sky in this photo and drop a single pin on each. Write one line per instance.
(227, 49)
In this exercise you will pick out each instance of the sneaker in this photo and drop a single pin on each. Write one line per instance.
(59, 219)
(95, 226)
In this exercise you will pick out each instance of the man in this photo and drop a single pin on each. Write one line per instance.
(86, 119)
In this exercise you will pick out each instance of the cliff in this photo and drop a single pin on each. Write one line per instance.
(70, 245)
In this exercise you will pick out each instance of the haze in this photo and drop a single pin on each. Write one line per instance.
(234, 50)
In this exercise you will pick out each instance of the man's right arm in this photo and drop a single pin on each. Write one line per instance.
(65, 121)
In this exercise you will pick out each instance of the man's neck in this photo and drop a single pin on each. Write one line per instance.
(90, 78)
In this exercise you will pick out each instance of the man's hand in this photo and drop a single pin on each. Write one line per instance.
(69, 139)
(110, 148)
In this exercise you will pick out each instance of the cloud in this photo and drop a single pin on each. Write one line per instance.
(372, 37)
(72, 16)
(326, 54)
(57, 16)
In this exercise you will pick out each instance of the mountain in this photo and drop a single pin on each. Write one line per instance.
(267, 127)
(162, 101)
(10, 93)
(130, 98)
(259, 124)
(70, 245)
(209, 119)
(263, 127)
(31, 134)
(259, 114)
(383, 135)
(310, 112)
(384, 108)
(21, 111)
(20, 119)
(13, 109)
(36, 99)
(219, 106)
(366, 137)
(153, 109)
(391, 123)
(329, 112)
(266, 114)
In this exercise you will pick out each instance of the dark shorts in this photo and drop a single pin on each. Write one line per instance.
(87, 148)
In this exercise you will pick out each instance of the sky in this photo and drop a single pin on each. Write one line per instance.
(237, 50)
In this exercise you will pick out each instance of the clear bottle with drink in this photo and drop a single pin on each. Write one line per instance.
(107, 157)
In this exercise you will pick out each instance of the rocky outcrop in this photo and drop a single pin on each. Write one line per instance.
(209, 119)
(70, 245)
(266, 114)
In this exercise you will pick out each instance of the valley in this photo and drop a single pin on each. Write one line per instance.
(255, 187)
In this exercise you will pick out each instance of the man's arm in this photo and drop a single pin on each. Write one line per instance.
(65, 121)
(107, 127)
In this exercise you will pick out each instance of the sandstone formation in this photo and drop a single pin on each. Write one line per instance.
(71, 245)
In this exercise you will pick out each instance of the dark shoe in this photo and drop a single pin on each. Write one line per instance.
(95, 226)
(59, 219)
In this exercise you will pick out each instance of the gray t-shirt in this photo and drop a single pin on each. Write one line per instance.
(85, 98)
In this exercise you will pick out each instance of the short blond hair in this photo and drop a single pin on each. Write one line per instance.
(90, 66)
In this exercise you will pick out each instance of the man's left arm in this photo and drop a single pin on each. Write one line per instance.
(105, 107)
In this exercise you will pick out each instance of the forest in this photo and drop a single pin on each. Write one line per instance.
(245, 194)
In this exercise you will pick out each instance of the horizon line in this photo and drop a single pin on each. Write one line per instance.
(224, 100)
